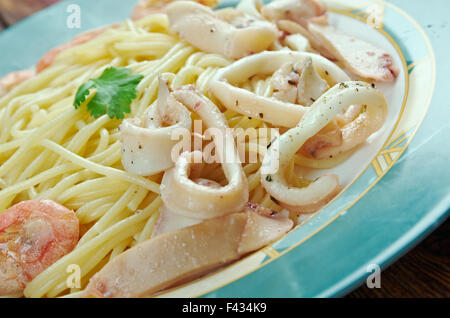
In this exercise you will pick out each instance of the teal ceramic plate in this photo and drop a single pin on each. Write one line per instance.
(396, 186)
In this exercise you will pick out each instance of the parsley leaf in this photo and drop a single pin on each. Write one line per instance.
(116, 88)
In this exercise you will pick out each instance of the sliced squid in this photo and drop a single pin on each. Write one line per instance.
(297, 42)
(325, 109)
(310, 85)
(251, 7)
(300, 11)
(147, 144)
(359, 57)
(285, 81)
(359, 122)
(328, 136)
(147, 7)
(191, 199)
(172, 258)
(233, 35)
(169, 220)
(298, 83)
(279, 113)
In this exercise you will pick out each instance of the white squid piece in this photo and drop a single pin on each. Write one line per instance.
(169, 220)
(284, 82)
(141, 138)
(294, 29)
(182, 255)
(310, 86)
(359, 57)
(327, 107)
(298, 83)
(197, 200)
(276, 112)
(11, 80)
(146, 7)
(231, 33)
(251, 7)
(299, 11)
(297, 42)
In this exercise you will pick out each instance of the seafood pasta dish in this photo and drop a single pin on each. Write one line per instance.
(147, 154)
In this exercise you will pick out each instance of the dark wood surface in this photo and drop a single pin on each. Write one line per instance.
(423, 272)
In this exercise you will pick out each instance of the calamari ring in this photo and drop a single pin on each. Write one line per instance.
(275, 112)
(327, 107)
(200, 201)
(140, 139)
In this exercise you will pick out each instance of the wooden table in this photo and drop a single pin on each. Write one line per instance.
(423, 272)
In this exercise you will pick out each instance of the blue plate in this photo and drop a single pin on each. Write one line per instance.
(397, 190)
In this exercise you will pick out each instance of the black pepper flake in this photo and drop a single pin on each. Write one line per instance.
(261, 115)
(292, 82)
(326, 73)
(270, 143)
(274, 200)
(237, 103)
(249, 117)
(269, 178)
(373, 85)
(312, 99)
(140, 146)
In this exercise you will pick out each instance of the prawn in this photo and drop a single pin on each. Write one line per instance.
(82, 38)
(33, 235)
(11, 80)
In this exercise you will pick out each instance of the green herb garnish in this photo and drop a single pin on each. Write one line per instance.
(116, 88)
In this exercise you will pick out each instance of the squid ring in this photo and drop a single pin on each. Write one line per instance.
(200, 201)
(140, 139)
(328, 106)
(276, 112)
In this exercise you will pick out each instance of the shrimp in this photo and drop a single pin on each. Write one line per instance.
(9, 81)
(33, 235)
